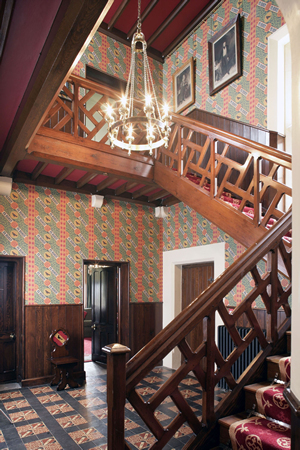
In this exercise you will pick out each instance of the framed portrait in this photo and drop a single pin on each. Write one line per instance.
(224, 56)
(184, 86)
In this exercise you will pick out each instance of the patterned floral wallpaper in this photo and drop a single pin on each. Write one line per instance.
(246, 98)
(55, 230)
(186, 228)
(112, 57)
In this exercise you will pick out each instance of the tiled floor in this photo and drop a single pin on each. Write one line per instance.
(43, 418)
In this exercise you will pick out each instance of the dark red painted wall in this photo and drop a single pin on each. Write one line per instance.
(29, 27)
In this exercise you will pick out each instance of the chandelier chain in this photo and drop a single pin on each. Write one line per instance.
(139, 23)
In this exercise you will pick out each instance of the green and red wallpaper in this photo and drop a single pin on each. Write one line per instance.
(246, 98)
(55, 230)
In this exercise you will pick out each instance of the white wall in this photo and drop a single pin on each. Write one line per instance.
(291, 12)
(173, 261)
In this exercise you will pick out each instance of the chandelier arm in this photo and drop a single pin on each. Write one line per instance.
(132, 86)
(153, 89)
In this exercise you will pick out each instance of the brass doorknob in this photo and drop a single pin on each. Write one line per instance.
(94, 327)
(12, 336)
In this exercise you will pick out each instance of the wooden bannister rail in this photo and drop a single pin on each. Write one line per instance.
(246, 144)
(206, 362)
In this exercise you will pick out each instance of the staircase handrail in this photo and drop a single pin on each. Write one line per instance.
(206, 362)
(248, 145)
(207, 302)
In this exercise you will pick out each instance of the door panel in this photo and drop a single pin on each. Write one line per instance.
(195, 279)
(7, 323)
(104, 310)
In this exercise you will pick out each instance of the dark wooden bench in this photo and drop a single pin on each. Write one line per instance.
(62, 361)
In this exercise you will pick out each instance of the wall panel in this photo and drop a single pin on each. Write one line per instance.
(40, 321)
(145, 323)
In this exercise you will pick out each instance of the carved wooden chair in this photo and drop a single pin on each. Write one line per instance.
(62, 361)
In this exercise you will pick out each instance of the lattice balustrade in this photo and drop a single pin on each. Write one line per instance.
(224, 165)
(206, 362)
(80, 110)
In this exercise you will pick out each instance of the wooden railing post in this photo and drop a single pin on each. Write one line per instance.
(208, 399)
(256, 184)
(76, 109)
(179, 156)
(116, 394)
(213, 181)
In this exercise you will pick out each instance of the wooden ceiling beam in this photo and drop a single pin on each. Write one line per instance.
(38, 169)
(145, 14)
(121, 37)
(89, 189)
(117, 14)
(143, 191)
(91, 156)
(167, 21)
(63, 174)
(160, 194)
(169, 201)
(45, 181)
(86, 179)
(125, 187)
(105, 183)
(73, 27)
(210, 7)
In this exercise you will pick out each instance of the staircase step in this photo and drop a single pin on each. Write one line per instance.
(225, 423)
(273, 367)
(250, 394)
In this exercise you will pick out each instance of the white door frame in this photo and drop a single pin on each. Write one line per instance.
(173, 261)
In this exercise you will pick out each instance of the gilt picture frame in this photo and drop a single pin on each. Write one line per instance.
(184, 86)
(224, 56)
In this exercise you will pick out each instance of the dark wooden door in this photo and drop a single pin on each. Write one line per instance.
(7, 322)
(195, 279)
(104, 310)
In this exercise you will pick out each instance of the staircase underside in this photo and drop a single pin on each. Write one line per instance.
(237, 225)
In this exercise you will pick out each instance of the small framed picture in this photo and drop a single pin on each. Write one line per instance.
(184, 86)
(224, 56)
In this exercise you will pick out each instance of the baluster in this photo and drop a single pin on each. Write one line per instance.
(213, 161)
(76, 108)
(274, 295)
(208, 414)
(180, 145)
(116, 394)
(256, 185)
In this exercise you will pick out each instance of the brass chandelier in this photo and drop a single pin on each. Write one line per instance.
(138, 125)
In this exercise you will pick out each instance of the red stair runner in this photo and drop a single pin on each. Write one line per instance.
(259, 433)
(271, 403)
(285, 368)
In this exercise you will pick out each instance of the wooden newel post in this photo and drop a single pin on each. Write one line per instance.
(116, 394)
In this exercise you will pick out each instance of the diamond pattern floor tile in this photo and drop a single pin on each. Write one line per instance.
(43, 419)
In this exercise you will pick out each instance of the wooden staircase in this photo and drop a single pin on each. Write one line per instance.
(198, 168)
(206, 362)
